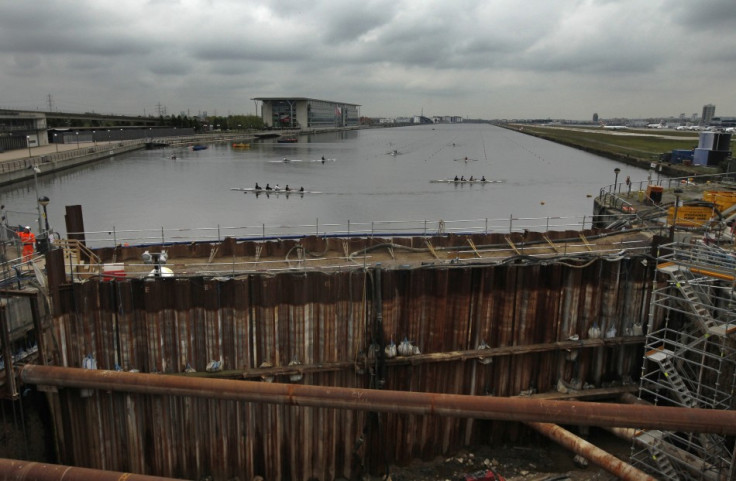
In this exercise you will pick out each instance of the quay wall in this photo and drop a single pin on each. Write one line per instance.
(327, 322)
(21, 169)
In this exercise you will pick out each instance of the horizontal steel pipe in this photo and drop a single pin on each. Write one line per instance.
(11, 469)
(480, 407)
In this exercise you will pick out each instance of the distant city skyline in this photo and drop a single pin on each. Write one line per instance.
(470, 58)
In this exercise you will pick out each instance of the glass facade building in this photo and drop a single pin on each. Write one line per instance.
(306, 113)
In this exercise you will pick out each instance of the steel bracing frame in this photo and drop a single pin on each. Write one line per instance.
(690, 360)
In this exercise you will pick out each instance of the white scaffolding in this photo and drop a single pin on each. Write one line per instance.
(690, 360)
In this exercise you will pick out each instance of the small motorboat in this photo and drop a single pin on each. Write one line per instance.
(199, 147)
(241, 146)
(288, 140)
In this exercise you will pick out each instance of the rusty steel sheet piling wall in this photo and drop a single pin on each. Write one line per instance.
(325, 322)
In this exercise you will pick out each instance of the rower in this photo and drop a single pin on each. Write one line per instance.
(483, 179)
(287, 189)
(456, 179)
(301, 189)
(276, 187)
(462, 178)
(470, 179)
(284, 159)
(258, 187)
(268, 187)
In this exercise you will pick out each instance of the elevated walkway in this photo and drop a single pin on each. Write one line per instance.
(690, 365)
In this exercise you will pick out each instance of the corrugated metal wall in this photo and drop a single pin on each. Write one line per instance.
(164, 324)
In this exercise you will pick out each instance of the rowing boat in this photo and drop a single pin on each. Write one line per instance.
(288, 161)
(452, 181)
(273, 191)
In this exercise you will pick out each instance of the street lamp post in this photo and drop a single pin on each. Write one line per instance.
(674, 217)
(37, 171)
(615, 182)
(28, 142)
(44, 201)
(57, 143)
(94, 140)
(108, 136)
(77, 139)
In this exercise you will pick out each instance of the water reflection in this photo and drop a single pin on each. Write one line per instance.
(356, 183)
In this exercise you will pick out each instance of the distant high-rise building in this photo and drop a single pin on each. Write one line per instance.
(709, 111)
(595, 117)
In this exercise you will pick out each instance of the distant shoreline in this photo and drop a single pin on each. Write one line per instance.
(643, 163)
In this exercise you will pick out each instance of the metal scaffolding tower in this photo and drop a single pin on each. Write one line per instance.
(690, 360)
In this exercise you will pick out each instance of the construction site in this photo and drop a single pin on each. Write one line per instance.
(330, 357)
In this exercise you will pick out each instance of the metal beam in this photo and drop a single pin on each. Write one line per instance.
(464, 406)
(11, 469)
(591, 452)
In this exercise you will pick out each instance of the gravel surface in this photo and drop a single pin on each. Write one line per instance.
(544, 462)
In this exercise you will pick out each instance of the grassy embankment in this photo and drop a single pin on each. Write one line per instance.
(630, 146)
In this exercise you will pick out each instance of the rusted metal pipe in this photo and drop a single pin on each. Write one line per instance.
(697, 466)
(591, 452)
(480, 407)
(14, 470)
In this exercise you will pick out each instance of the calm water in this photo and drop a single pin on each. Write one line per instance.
(149, 190)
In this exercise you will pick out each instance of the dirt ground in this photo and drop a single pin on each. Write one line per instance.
(544, 462)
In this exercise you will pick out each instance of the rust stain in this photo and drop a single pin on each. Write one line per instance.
(318, 317)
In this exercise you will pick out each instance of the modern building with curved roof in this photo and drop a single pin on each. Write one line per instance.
(306, 113)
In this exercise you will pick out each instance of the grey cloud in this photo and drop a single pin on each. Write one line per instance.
(169, 67)
(704, 14)
(347, 23)
(462, 56)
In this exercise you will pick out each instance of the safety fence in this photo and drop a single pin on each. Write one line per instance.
(394, 228)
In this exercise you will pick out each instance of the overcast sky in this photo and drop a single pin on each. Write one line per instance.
(471, 58)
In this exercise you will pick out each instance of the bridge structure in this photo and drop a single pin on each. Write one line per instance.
(28, 129)
(102, 119)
